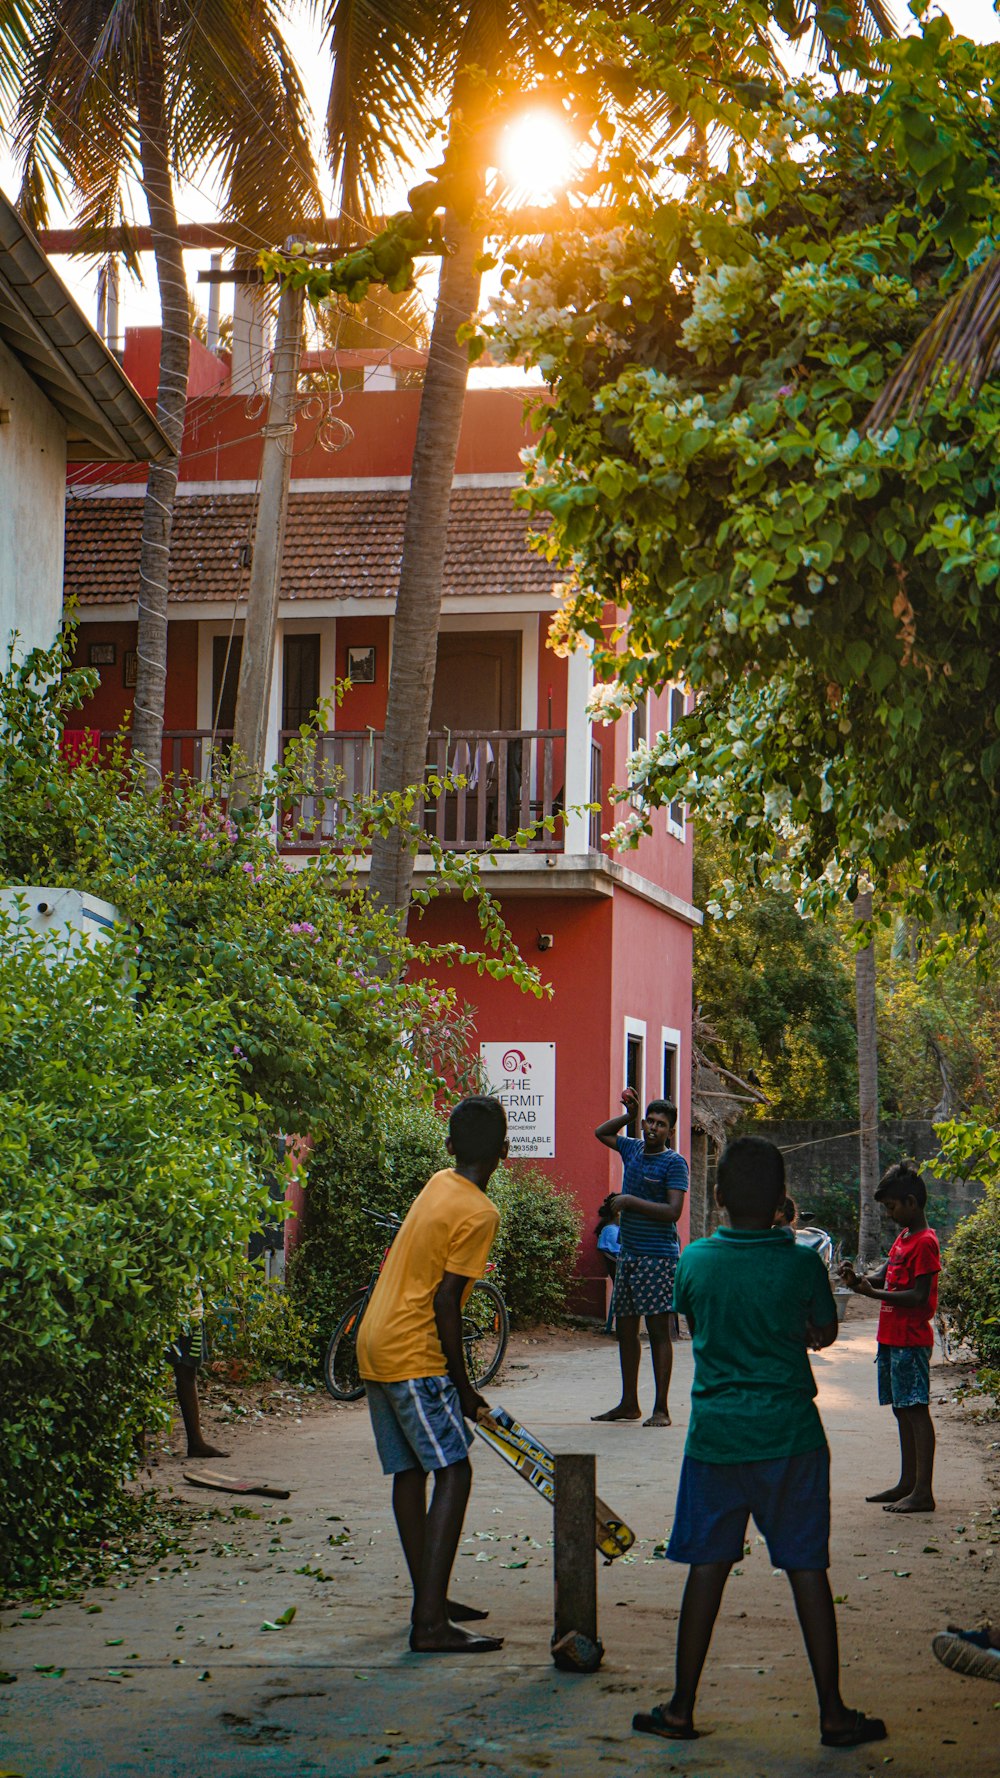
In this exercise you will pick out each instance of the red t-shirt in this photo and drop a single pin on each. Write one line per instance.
(912, 1256)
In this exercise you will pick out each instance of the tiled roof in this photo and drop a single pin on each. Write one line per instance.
(337, 546)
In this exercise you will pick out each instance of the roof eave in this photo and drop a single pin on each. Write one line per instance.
(49, 334)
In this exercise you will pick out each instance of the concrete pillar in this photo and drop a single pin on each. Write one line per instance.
(214, 297)
(579, 679)
(249, 372)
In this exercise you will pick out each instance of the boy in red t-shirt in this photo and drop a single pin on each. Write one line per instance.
(907, 1288)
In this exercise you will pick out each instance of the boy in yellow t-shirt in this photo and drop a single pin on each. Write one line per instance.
(411, 1356)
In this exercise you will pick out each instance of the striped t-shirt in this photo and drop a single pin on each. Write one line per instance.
(651, 1176)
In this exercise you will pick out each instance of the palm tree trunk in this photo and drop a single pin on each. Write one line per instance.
(425, 537)
(161, 486)
(864, 988)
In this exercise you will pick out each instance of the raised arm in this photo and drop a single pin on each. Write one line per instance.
(609, 1132)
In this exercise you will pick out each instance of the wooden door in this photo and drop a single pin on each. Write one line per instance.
(478, 681)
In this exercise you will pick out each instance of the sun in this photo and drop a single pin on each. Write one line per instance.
(537, 152)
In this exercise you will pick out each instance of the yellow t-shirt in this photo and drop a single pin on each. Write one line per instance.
(449, 1227)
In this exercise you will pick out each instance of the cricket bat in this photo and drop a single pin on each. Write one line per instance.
(228, 1484)
(535, 1462)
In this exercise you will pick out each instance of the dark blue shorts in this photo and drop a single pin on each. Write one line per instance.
(789, 1498)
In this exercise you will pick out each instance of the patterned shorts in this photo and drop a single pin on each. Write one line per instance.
(644, 1284)
(904, 1376)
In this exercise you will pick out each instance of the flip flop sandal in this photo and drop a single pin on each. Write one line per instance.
(968, 1652)
(864, 1728)
(653, 1722)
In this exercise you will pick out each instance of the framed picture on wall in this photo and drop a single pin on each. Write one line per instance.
(102, 654)
(361, 665)
(130, 668)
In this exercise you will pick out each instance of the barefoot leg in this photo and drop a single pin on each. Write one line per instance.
(661, 1347)
(186, 1378)
(628, 1357)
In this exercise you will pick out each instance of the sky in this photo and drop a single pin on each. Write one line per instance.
(139, 305)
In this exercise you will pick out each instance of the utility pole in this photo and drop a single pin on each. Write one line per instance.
(253, 696)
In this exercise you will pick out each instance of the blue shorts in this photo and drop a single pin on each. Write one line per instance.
(417, 1424)
(789, 1498)
(904, 1376)
(644, 1284)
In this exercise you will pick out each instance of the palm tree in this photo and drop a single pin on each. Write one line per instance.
(103, 95)
(396, 65)
(960, 347)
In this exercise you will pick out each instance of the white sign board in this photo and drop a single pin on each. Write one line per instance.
(523, 1078)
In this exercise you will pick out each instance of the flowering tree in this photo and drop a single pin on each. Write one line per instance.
(827, 593)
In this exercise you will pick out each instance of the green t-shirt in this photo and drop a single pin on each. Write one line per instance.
(748, 1295)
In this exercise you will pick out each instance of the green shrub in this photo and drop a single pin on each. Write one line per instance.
(970, 1280)
(383, 1170)
(124, 1181)
(258, 1327)
(537, 1248)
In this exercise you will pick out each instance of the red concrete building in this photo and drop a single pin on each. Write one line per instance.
(612, 934)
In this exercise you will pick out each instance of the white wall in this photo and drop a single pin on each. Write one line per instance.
(32, 511)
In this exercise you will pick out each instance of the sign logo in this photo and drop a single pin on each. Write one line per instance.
(515, 1062)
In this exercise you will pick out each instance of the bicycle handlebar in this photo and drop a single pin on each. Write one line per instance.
(386, 1222)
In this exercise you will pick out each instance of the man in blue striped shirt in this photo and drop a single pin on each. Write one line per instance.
(652, 1198)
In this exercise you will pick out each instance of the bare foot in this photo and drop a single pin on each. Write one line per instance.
(464, 1614)
(445, 1639)
(912, 1503)
(621, 1412)
(899, 1492)
(204, 1450)
(659, 1417)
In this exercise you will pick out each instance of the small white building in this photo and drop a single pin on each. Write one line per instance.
(63, 398)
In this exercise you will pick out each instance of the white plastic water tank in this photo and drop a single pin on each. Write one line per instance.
(63, 911)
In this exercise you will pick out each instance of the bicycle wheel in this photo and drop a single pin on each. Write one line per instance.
(340, 1367)
(485, 1332)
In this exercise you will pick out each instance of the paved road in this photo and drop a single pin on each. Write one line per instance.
(211, 1695)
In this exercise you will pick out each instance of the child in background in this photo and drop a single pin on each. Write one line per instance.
(907, 1288)
(609, 1242)
(755, 1302)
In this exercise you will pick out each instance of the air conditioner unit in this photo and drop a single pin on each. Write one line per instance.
(63, 912)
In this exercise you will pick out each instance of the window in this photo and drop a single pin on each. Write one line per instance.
(635, 1068)
(676, 705)
(670, 1072)
(226, 653)
(300, 688)
(638, 732)
(673, 1085)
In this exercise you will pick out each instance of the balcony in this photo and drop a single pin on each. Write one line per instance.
(499, 783)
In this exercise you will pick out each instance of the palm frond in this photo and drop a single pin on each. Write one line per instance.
(238, 106)
(383, 92)
(960, 347)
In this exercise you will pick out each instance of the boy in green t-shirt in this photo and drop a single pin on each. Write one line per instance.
(754, 1302)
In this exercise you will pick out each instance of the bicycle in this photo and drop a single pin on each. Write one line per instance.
(485, 1329)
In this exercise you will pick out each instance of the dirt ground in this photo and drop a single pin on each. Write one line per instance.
(173, 1675)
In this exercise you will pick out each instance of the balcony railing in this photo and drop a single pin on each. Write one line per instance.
(493, 782)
